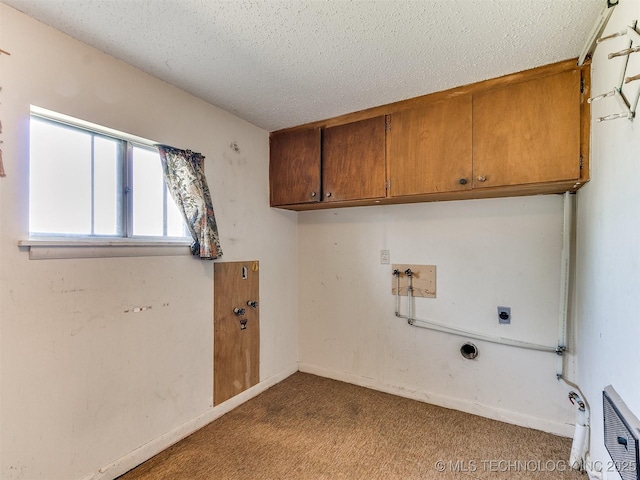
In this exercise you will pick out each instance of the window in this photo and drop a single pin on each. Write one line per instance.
(89, 183)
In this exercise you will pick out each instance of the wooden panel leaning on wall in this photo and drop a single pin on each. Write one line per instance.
(236, 328)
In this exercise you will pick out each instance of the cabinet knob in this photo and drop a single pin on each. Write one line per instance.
(482, 178)
(462, 181)
(328, 194)
(313, 194)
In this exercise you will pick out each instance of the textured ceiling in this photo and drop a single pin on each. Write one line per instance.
(279, 63)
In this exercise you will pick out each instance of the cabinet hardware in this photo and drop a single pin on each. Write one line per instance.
(328, 194)
(313, 194)
(482, 178)
(462, 181)
(252, 304)
(238, 311)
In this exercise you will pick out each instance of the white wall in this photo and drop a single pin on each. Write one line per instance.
(488, 253)
(83, 383)
(608, 263)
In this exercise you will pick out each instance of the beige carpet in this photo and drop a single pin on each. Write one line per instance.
(308, 427)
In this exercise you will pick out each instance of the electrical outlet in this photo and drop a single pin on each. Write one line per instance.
(504, 315)
(384, 257)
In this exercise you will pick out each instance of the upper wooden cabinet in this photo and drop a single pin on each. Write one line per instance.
(522, 134)
(353, 161)
(294, 168)
(527, 132)
(430, 148)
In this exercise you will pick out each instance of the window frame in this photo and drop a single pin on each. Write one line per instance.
(128, 213)
(125, 243)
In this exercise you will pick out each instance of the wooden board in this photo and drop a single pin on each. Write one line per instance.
(236, 350)
(423, 283)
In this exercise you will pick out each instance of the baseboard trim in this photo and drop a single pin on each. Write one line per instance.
(164, 441)
(155, 446)
(507, 416)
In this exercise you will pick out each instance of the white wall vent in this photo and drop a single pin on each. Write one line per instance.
(621, 435)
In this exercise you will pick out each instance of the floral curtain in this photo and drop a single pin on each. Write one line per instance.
(184, 175)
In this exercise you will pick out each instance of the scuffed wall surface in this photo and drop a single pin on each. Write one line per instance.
(608, 260)
(487, 253)
(84, 380)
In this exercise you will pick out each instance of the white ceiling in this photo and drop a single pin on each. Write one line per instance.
(279, 63)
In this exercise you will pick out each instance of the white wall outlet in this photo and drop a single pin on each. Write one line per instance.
(504, 315)
(384, 257)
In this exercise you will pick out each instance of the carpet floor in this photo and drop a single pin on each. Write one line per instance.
(309, 427)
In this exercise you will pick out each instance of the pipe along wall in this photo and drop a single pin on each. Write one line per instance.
(577, 458)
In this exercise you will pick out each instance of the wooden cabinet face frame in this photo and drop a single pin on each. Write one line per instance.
(513, 151)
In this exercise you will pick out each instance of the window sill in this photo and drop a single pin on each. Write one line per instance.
(60, 248)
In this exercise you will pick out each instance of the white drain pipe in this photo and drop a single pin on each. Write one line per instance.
(565, 276)
(439, 327)
(580, 445)
(577, 457)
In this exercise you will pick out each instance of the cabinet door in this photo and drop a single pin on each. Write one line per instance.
(353, 161)
(294, 167)
(527, 132)
(430, 148)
